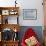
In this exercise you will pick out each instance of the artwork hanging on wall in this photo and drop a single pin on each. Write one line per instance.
(5, 12)
(29, 14)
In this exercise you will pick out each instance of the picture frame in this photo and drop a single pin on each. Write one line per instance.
(5, 12)
(29, 14)
(13, 12)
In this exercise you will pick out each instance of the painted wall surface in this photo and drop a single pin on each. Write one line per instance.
(27, 4)
(32, 4)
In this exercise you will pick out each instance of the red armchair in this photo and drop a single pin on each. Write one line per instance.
(29, 34)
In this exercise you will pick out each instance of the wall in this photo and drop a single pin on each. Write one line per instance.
(27, 4)
(32, 4)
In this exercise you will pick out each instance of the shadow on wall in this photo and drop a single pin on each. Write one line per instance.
(37, 29)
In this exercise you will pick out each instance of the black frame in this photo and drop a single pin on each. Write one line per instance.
(29, 11)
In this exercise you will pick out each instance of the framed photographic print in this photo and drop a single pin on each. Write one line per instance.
(13, 12)
(6, 34)
(29, 14)
(5, 12)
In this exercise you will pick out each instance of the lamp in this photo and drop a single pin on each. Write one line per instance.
(15, 3)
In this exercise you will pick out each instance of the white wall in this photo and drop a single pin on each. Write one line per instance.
(32, 4)
(27, 4)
